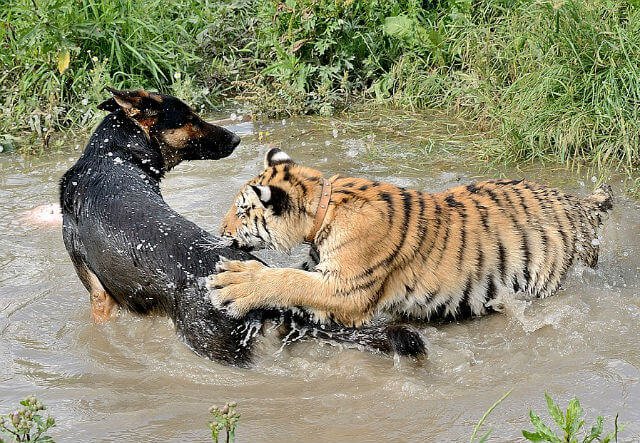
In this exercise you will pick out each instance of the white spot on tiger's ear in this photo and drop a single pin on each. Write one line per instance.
(263, 193)
(275, 156)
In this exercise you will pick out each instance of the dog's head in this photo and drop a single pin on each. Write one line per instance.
(180, 132)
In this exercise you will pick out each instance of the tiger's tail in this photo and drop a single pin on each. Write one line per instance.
(602, 198)
(595, 208)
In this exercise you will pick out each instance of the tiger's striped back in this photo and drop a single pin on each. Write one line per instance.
(496, 236)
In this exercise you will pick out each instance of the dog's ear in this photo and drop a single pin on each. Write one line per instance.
(275, 156)
(133, 103)
(109, 105)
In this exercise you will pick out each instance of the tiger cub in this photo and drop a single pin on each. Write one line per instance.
(385, 249)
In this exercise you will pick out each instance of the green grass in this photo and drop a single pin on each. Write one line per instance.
(56, 57)
(548, 79)
(482, 439)
(551, 79)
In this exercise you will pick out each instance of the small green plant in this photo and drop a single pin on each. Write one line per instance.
(225, 421)
(26, 423)
(474, 437)
(570, 424)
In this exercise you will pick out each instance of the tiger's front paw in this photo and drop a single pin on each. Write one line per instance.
(233, 288)
(236, 300)
(233, 272)
(249, 266)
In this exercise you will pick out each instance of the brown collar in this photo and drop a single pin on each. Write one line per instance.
(325, 196)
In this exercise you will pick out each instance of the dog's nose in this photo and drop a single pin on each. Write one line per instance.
(235, 140)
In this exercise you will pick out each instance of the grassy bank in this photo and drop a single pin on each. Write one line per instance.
(548, 79)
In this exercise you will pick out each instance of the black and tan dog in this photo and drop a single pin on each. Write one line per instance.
(131, 249)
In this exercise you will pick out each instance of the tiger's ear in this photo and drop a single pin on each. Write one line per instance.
(272, 197)
(276, 156)
(263, 193)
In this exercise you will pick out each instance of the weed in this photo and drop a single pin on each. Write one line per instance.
(553, 80)
(225, 421)
(570, 424)
(26, 423)
(474, 437)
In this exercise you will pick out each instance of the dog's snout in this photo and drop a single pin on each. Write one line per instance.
(235, 140)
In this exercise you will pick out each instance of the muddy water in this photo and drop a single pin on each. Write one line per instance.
(133, 380)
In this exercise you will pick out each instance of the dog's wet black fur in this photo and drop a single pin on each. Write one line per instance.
(125, 241)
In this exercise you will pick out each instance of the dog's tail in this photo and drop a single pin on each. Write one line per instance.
(390, 339)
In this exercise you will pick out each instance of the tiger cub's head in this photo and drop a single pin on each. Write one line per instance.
(276, 209)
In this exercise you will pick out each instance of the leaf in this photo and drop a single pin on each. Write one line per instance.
(485, 415)
(543, 430)
(612, 436)
(297, 45)
(7, 435)
(39, 421)
(596, 430)
(533, 436)
(399, 26)
(573, 417)
(554, 411)
(435, 37)
(486, 436)
(64, 58)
